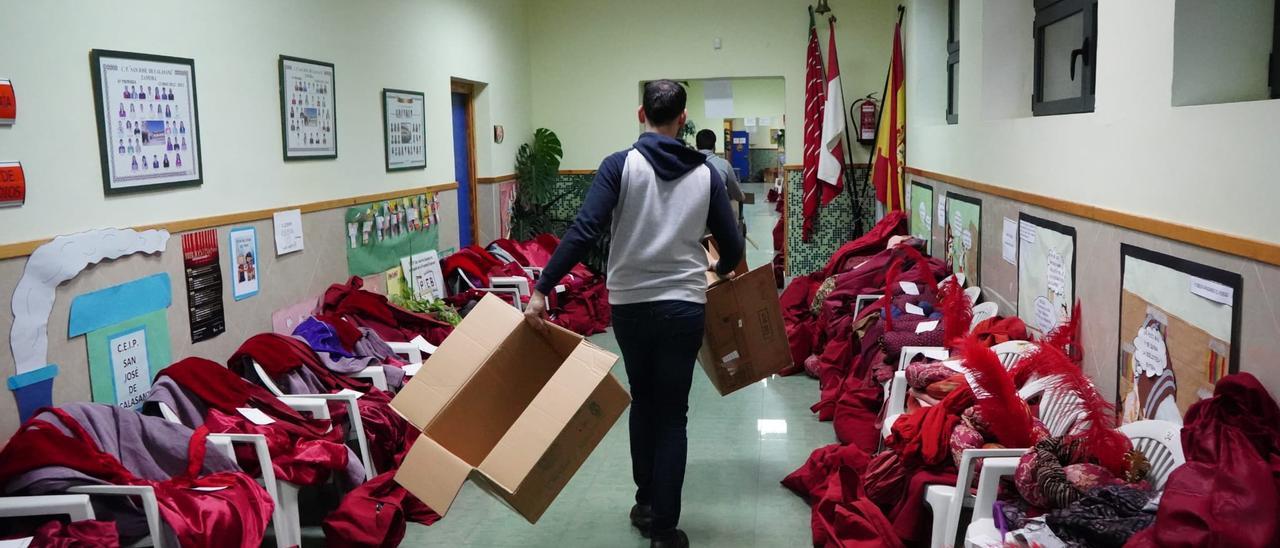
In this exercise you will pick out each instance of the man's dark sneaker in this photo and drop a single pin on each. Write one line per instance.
(642, 518)
(673, 538)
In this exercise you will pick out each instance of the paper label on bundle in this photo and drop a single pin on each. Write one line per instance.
(1214, 291)
(349, 392)
(909, 288)
(936, 353)
(1056, 273)
(560, 288)
(411, 369)
(913, 309)
(1149, 352)
(925, 327)
(1009, 241)
(423, 345)
(255, 416)
(1046, 318)
(208, 489)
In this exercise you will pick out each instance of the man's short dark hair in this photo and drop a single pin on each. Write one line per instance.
(706, 140)
(663, 101)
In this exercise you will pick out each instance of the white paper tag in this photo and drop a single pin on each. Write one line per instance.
(560, 288)
(1213, 291)
(424, 346)
(937, 354)
(348, 391)
(909, 288)
(955, 365)
(913, 309)
(1009, 241)
(255, 416)
(925, 327)
(411, 369)
(208, 489)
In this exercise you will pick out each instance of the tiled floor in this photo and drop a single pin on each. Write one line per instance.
(740, 446)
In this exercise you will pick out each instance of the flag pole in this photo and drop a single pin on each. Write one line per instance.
(848, 152)
(884, 99)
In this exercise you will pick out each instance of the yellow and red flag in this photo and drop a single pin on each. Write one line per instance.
(891, 136)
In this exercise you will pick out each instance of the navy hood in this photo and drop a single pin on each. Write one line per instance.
(670, 158)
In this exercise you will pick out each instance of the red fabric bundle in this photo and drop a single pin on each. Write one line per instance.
(347, 331)
(303, 451)
(371, 310)
(998, 329)
(87, 533)
(1228, 492)
(374, 514)
(473, 261)
(234, 513)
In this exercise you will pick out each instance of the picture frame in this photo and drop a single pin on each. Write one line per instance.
(308, 109)
(245, 276)
(921, 220)
(148, 121)
(404, 129)
(1171, 325)
(965, 214)
(1046, 287)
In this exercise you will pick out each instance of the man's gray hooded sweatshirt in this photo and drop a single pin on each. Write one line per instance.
(657, 198)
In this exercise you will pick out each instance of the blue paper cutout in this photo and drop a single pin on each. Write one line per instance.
(115, 304)
(33, 390)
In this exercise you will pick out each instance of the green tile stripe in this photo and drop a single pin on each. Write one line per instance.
(835, 225)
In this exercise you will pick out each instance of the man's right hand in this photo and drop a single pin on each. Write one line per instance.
(536, 311)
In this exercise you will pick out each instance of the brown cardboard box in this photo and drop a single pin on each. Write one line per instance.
(516, 410)
(745, 340)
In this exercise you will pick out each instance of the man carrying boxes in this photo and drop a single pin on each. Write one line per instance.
(657, 198)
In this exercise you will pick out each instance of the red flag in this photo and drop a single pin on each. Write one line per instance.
(891, 137)
(831, 158)
(814, 97)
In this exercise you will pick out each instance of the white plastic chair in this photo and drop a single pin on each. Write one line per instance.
(284, 516)
(412, 354)
(972, 294)
(513, 291)
(76, 507)
(948, 501)
(353, 413)
(983, 312)
(1012, 352)
(1159, 441)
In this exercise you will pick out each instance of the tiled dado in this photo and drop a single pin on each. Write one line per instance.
(836, 224)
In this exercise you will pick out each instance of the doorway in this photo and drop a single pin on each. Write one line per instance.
(462, 95)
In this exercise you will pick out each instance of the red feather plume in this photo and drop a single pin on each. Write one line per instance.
(957, 311)
(1098, 434)
(1066, 337)
(1000, 406)
(886, 302)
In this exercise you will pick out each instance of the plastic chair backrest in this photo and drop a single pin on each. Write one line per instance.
(973, 293)
(983, 312)
(862, 301)
(1161, 443)
(1011, 352)
(266, 380)
(1060, 410)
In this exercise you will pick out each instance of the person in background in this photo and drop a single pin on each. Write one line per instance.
(706, 140)
(657, 198)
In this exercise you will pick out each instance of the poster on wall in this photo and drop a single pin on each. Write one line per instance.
(964, 235)
(506, 204)
(1179, 333)
(1046, 272)
(381, 233)
(922, 214)
(148, 124)
(308, 109)
(245, 280)
(204, 284)
(404, 129)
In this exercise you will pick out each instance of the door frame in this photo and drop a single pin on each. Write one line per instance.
(469, 89)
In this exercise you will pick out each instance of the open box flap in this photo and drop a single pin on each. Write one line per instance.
(459, 356)
(433, 474)
(546, 416)
(713, 255)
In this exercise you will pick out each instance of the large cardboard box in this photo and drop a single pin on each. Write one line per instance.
(514, 409)
(745, 340)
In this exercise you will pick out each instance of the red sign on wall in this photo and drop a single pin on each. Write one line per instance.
(13, 185)
(8, 103)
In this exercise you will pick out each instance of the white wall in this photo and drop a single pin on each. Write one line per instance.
(1211, 166)
(415, 45)
(1221, 50)
(587, 57)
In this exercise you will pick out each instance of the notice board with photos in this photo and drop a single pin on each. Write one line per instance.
(1179, 333)
(964, 236)
(921, 203)
(1046, 272)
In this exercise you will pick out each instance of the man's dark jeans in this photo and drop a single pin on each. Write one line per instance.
(659, 342)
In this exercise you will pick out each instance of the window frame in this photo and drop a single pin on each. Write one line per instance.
(953, 61)
(1273, 72)
(1049, 12)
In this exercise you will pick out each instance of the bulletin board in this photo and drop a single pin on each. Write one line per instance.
(921, 203)
(1046, 272)
(964, 236)
(1179, 333)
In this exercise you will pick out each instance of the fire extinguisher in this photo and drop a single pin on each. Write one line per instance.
(863, 112)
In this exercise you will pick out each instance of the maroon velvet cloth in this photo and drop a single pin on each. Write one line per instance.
(234, 511)
(76, 534)
(371, 310)
(472, 261)
(999, 329)
(374, 514)
(303, 451)
(830, 481)
(1228, 492)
